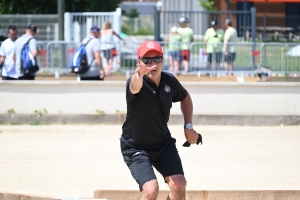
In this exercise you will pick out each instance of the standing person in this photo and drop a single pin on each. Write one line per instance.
(186, 38)
(229, 49)
(108, 46)
(174, 41)
(30, 32)
(95, 71)
(212, 38)
(9, 71)
(146, 140)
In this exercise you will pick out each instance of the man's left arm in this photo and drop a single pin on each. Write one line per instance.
(33, 48)
(187, 110)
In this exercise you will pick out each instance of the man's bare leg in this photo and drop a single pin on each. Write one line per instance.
(177, 184)
(150, 190)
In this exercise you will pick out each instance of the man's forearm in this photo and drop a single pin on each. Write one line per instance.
(136, 83)
(99, 63)
(187, 109)
(2, 58)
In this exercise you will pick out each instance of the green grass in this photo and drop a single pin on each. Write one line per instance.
(36, 123)
(277, 60)
(273, 56)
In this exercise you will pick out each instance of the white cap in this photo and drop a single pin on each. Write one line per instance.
(173, 29)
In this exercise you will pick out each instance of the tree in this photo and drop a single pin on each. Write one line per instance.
(132, 13)
(50, 6)
(208, 5)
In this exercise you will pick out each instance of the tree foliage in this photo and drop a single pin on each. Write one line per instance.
(132, 13)
(208, 5)
(50, 6)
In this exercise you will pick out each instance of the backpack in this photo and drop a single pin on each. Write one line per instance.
(28, 62)
(79, 63)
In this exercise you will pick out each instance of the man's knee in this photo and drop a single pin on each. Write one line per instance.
(150, 189)
(177, 183)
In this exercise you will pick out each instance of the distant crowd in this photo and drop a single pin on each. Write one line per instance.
(18, 55)
(179, 52)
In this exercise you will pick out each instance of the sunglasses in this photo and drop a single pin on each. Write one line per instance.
(148, 60)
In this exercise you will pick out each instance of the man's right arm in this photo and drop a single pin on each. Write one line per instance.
(99, 63)
(2, 58)
(136, 82)
(2, 55)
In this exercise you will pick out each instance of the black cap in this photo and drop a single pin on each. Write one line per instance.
(213, 23)
(31, 27)
(95, 29)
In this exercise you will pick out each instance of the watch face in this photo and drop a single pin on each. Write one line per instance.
(189, 126)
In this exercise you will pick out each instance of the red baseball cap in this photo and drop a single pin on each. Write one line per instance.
(147, 46)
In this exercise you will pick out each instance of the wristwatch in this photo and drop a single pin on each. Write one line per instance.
(188, 126)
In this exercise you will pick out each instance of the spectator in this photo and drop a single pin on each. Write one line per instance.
(212, 38)
(95, 71)
(146, 140)
(30, 32)
(229, 49)
(186, 38)
(108, 46)
(174, 40)
(9, 71)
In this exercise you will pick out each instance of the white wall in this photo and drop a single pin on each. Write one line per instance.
(68, 97)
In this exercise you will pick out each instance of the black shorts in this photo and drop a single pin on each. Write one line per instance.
(94, 78)
(218, 57)
(230, 57)
(27, 77)
(8, 78)
(165, 159)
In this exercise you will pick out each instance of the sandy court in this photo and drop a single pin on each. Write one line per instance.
(72, 161)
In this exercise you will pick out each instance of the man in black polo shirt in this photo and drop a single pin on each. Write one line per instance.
(146, 140)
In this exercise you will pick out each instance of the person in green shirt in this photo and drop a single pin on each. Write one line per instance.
(187, 36)
(229, 48)
(174, 48)
(212, 38)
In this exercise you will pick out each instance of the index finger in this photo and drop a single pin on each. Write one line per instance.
(153, 67)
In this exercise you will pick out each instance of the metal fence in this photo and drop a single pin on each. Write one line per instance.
(280, 58)
(251, 58)
(276, 58)
(77, 25)
(47, 25)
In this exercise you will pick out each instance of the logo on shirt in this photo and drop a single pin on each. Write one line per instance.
(167, 88)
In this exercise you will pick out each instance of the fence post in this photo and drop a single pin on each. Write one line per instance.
(156, 24)
(68, 27)
(253, 33)
(265, 24)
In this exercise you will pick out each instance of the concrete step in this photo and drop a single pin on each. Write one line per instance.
(206, 194)
(13, 196)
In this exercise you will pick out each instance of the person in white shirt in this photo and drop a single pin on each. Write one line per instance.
(229, 48)
(29, 35)
(9, 71)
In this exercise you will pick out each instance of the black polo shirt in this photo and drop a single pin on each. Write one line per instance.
(148, 112)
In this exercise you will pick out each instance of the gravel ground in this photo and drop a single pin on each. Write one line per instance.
(65, 161)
